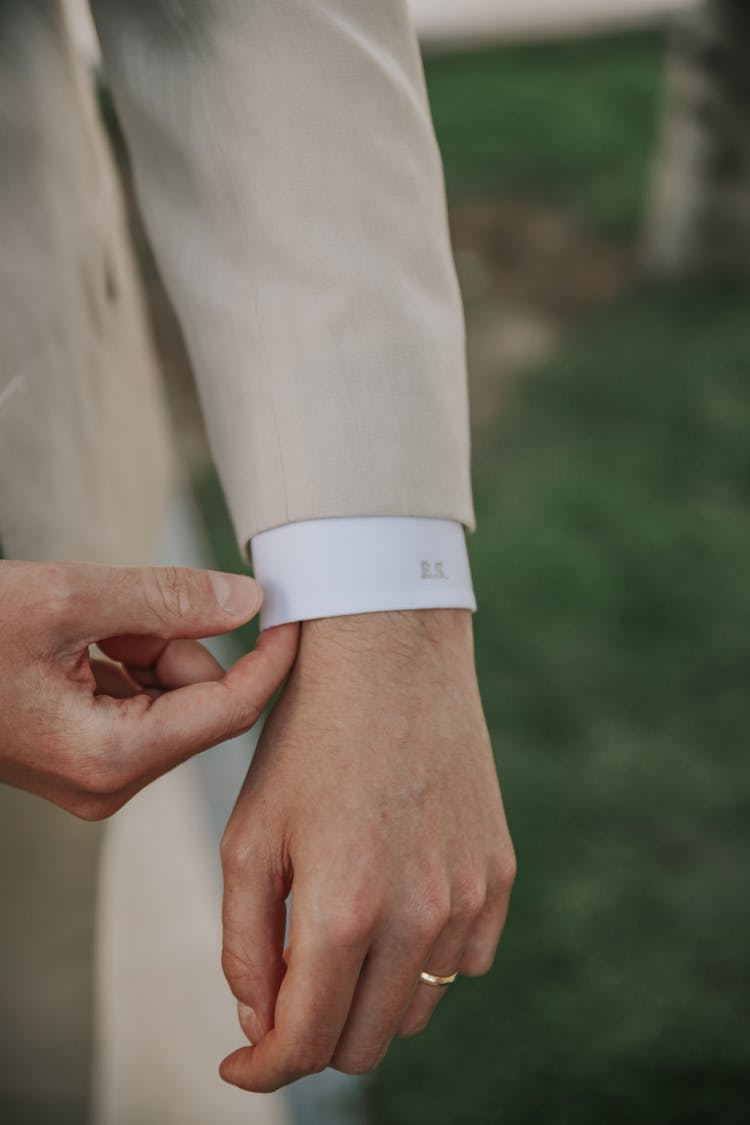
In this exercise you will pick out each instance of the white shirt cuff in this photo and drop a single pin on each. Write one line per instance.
(360, 564)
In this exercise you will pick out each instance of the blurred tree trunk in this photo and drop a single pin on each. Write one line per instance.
(698, 219)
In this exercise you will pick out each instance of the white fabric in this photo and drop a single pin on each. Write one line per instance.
(331, 567)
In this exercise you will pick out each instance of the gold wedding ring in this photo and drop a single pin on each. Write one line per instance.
(435, 981)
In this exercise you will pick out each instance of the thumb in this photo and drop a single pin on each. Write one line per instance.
(254, 915)
(165, 601)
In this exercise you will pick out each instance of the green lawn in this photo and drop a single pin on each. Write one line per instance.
(612, 568)
(569, 123)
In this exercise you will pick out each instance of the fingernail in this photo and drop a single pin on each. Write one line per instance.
(250, 1023)
(237, 594)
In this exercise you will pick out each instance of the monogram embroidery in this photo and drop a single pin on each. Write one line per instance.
(433, 569)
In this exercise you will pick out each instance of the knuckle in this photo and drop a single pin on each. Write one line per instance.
(229, 847)
(469, 897)
(239, 852)
(306, 1057)
(431, 916)
(358, 1061)
(241, 715)
(174, 593)
(349, 931)
(509, 869)
(504, 872)
(412, 1026)
(477, 964)
(350, 918)
(242, 976)
(229, 853)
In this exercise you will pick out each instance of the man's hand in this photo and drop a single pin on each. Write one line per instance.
(373, 796)
(89, 733)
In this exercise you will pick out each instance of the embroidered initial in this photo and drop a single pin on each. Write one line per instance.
(433, 570)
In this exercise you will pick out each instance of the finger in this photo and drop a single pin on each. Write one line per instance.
(254, 920)
(442, 961)
(154, 662)
(153, 736)
(101, 601)
(384, 991)
(111, 679)
(312, 1006)
(481, 948)
(186, 662)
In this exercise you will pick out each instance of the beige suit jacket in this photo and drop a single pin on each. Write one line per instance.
(290, 182)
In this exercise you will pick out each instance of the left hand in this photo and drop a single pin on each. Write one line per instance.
(373, 797)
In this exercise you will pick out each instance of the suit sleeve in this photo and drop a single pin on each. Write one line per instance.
(288, 174)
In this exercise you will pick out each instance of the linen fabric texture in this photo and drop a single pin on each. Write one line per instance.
(288, 172)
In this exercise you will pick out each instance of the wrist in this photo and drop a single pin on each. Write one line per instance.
(405, 634)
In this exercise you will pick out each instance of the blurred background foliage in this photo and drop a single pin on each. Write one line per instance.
(568, 123)
(612, 567)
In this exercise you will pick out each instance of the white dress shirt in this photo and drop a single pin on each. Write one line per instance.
(360, 564)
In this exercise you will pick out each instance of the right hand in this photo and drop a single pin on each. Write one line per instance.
(86, 733)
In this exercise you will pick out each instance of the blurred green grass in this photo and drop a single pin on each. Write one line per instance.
(570, 123)
(612, 568)
(613, 645)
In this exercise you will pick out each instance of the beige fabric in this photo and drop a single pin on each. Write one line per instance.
(85, 454)
(48, 874)
(289, 176)
(166, 1016)
(291, 184)
(85, 470)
